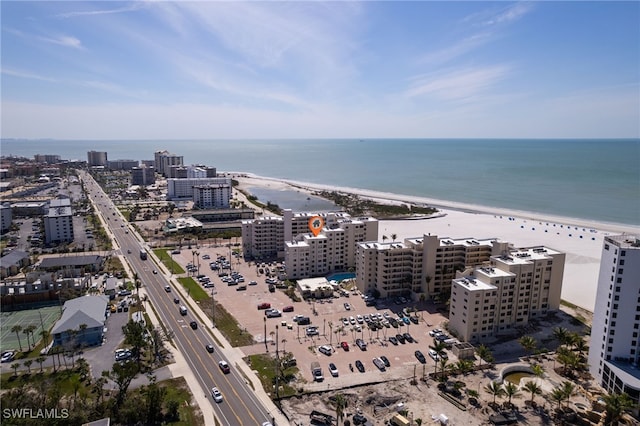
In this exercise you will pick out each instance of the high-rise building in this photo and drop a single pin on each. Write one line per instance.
(305, 255)
(143, 176)
(97, 158)
(58, 221)
(422, 265)
(184, 188)
(164, 160)
(123, 164)
(212, 196)
(614, 351)
(46, 158)
(506, 293)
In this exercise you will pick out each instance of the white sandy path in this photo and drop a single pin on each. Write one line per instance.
(522, 229)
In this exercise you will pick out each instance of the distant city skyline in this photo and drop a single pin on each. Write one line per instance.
(209, 70)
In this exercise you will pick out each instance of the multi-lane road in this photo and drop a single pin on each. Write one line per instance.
(240, 406)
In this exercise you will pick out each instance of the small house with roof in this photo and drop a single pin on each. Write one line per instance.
(11, 263)
(82, 322)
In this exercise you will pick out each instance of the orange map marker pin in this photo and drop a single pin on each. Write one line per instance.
(315, 225)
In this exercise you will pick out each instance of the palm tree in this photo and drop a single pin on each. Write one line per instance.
(528, 343)
(40, 360)
(557, 396)
(581, 346)
(393, 237)
(568, 389)
(511, 391)
(26, 332)
(384, 238)
(533, 388)
(495, 389)
(45, 337)
(283, 341)
(341, 403)
(15, 366)
(615, 406)
(17, 329)
(27, 364)
(561, 334)
(484, 353)
(537, 370)
(136, 281)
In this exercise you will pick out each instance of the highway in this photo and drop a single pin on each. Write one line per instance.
(240, 406)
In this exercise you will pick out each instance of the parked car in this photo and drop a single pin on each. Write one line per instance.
(433, 354)
(9, 355)
(379, 363)
(420, 356)
(361, 344)
(333, 369)
(287, 309)
(408, 337)
(360, 366)
(400, 338)
(264, 305)
(393, 340)
(386, 361)
(344, 346)
(325, 349)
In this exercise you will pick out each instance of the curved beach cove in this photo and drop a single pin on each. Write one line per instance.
(580, 239)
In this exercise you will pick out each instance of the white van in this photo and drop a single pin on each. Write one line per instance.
(183, 310)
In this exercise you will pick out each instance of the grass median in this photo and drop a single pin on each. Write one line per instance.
(196, 292)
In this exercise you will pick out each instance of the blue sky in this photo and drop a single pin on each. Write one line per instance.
(210, 70)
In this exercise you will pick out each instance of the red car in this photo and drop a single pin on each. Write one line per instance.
(344, 345)
(287, 309)
(264, 305)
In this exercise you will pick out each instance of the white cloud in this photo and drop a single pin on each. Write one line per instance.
(26, 74)
(458, 84)
(75, 14)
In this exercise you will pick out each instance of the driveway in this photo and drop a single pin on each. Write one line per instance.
(101, 358)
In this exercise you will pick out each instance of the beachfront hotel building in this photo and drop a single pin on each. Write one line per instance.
(305, 255)
(614, 351)
(184, 188)
(422, 265)
(506, 293)
(143, 175)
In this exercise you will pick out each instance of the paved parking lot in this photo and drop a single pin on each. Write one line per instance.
(243, 305)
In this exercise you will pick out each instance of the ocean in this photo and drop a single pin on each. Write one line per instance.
(588, 179)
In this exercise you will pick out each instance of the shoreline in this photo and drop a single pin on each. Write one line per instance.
(391, 198)
(581, 240)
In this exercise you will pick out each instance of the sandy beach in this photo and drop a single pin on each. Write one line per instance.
(580, 239)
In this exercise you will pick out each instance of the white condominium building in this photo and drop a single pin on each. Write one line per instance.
(289, 237)
(614, 351)
(184, 188)
(422, 265)
(58, 221)
(333, 249)
(164, 160)
(212, 196)
(263, 238)
(506, 293)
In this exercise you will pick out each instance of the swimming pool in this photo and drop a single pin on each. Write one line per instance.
(341, 276)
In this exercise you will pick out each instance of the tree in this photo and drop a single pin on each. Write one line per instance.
(15, 366)
(511, 391)
(533, 388)
(134, 335)
(340, 403)
(484, 353)
(393, 237)
(40, 360)
(122, 375)
(45, 337)
(561, 334)
(136, 281)
(384, 238)
(83, 328)
(528, 343)
(27, 364)
(495, 389)
(537, 370)
(153, 398)
(17, 329)
(615, 406)
(28, 330)
(157, 337)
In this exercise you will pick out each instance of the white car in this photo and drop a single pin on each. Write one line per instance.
(215, 393)
(359, 319)
(7, 356)
(325, 349)
(333, 369)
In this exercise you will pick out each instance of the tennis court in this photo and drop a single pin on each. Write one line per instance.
(36, 317)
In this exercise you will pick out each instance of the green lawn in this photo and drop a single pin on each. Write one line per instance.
(165, 258)
(193, 288)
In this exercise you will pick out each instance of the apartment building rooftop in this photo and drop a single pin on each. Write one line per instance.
(526, 255)
(474, 284)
